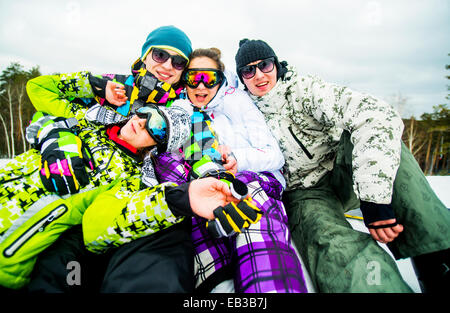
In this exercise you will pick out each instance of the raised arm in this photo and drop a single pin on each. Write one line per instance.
(54, 94)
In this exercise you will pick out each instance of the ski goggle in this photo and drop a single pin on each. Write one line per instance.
(265, 66)
(161, 56)
(156, 124)
(209, 77)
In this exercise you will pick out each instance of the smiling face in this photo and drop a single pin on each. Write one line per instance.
(135, 134)
(261, 83)
(201, 95)
(163, 71)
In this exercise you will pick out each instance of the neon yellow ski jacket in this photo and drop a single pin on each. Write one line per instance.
(113, 208)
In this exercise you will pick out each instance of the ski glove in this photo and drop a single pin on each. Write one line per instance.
(63, 156)
(233, 218)
(64, 159)
(42, 125)
(208, 168)
(373, 212)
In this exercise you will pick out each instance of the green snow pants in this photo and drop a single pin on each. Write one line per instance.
(341, 259)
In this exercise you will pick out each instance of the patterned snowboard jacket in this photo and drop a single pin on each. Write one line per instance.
(308, 117)
(113, 207)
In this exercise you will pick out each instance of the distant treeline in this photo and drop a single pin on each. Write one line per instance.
(428, 138)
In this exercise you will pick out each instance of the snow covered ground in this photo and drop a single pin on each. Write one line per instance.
(440, 184)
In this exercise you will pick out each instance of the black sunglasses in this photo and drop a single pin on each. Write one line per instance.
(161, 56)
(265, 66)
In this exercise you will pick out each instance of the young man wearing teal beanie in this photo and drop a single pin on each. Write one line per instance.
(155, 75)
(155, 78)
(166, 42)
(168, 37)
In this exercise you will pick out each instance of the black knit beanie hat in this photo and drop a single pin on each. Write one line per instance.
(253, 50)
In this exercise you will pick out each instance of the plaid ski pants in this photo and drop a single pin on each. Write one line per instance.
(260, 259)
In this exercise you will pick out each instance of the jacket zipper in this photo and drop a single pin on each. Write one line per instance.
(33, 230)
(309, 155)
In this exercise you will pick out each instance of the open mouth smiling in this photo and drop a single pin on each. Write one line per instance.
(201, 97)
(262, 84)
(164, 76)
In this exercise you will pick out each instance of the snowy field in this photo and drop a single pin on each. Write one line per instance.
(440, 184)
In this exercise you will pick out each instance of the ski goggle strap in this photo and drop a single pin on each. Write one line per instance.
(156, 124)
(209, 77)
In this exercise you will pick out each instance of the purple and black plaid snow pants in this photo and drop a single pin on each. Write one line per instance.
(262, 258)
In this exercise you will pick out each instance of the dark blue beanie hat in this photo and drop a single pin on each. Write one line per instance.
(168, 37)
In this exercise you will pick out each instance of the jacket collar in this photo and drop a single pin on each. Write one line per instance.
(113, 134)
(217, 103)
(276, 99)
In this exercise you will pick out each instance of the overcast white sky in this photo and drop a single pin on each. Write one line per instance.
(383, 47)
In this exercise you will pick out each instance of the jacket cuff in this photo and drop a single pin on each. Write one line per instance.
(177, 199)
(98, 85)
(373, 212)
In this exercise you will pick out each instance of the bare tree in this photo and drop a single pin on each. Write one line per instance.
(14, 102)
(9, 99)
(20, 99)
(414, 139)
(6, 135)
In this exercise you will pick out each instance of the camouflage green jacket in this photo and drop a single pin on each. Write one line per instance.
(308, 117)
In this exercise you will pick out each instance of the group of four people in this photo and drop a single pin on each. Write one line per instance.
(134, 177)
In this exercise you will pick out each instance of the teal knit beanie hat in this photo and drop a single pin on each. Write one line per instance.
(168, 37)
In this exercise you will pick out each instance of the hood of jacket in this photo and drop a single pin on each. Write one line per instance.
(216, 103)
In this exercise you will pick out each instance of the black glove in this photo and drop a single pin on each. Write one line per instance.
(233, 218)
(374, 212)
(238, 189)
(64, 158)
(207, 168)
